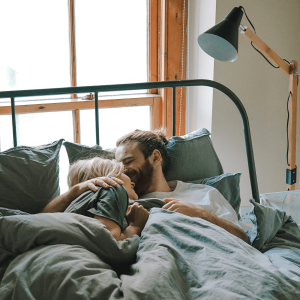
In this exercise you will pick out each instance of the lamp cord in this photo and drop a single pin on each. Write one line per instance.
(276, 67)
(287, 129)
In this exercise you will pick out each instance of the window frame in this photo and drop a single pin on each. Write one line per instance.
(167, 23)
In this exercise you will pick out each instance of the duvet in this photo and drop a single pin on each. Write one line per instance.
(68, 256)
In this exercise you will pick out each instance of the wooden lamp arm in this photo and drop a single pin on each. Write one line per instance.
(266, 50)
(290, 70)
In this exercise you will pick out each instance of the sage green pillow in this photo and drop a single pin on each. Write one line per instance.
(29, 177)
(192, 157)
(77, 151)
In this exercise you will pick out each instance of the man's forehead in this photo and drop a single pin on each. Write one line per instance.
(127, 150)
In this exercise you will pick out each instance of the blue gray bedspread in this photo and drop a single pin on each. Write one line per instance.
(68, 256)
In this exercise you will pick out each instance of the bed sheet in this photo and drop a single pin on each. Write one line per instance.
(68, 256)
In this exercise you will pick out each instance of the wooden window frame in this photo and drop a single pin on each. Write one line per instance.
(167, 21)
(167, 55)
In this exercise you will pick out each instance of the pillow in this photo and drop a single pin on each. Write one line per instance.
(272, 227)
(29, 177)
(78, 151)
(192, 157)
(228, 185)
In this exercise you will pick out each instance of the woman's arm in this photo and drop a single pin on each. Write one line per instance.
(115, 229)
(182, 207)
(137, 217)
(60, 203)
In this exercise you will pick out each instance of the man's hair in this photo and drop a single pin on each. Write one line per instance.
(148, 142)
(83, 170)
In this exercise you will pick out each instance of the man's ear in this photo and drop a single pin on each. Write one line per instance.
(156, 157)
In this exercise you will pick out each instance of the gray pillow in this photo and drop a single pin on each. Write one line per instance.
(77, 151)
(193, 157)
(272, 227)
(228, 185)
(29, 177)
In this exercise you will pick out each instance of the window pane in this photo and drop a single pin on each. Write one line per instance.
(111, 42)
(35, 44)
(113, 123)
(37, 129)
(40, 129)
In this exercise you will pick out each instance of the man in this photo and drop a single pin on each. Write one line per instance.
(146, 158)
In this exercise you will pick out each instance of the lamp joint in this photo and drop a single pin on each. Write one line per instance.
(243, 28)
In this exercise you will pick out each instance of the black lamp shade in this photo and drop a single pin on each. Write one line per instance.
(221, 41)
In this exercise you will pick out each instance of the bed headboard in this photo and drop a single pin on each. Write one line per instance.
(141, 86)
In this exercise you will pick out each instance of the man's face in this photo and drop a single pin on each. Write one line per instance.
(139, 169)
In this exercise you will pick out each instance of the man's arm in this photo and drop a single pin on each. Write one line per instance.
(60, 203)
(184, 208)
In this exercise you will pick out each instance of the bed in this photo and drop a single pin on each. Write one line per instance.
(69, 256)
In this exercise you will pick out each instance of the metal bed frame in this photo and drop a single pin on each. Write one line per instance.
(141, 86)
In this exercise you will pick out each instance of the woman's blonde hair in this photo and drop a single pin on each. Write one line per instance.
(83, 170)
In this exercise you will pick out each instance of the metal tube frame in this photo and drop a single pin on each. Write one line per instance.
(146, 86)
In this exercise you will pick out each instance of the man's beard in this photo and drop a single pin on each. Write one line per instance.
(142, 178)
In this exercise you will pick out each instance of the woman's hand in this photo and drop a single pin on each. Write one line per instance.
(137, 216)
(93, 184)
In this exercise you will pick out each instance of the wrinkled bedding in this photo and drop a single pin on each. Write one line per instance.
(69, 256)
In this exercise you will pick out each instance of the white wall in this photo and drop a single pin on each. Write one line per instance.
(262, 89)
(199, 65)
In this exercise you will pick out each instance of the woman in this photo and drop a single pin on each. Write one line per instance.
(108, 205)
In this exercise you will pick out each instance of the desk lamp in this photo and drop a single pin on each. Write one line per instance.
(221, 42)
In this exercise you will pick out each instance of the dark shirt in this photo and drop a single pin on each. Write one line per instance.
(111, 203)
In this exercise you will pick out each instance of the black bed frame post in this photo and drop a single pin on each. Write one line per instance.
(97, 119)
(174, 111)
(13, 118)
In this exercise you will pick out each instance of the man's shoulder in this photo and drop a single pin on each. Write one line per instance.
(181, 185)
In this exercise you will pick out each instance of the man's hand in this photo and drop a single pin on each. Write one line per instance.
(137, 216)
(104, 182)
(184, 208)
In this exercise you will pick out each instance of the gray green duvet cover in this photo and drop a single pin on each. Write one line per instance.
(68, 256)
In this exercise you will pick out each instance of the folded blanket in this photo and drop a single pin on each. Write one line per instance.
(21, 233)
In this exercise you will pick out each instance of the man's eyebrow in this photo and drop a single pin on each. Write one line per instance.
(127, 157)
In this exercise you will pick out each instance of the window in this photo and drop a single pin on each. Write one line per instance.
(110, 48)
(35, 44)
(67, 43)
(111, 42)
